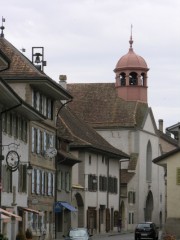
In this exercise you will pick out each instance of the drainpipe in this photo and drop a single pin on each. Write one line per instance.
(56, 158)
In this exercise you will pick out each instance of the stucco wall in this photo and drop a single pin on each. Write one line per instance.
(173, 190)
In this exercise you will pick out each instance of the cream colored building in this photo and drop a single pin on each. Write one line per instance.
(34, 136)
(171, 164)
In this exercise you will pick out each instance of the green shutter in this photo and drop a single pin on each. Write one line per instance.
(178, 176)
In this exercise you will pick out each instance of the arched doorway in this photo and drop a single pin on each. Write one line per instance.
(149, 207)
(80, 204)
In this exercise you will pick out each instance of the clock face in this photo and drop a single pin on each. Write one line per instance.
(51, 152)
(12, 160)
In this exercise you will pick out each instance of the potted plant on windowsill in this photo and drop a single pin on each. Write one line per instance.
(28, 234)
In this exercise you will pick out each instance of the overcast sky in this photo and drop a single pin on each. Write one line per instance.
(84, 40)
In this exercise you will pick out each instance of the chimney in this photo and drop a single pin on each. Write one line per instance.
(161, 125)
(62, 81)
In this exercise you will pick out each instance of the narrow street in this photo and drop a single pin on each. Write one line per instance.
(122, 236)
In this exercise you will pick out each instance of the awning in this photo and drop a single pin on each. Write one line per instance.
(58, 207)
(31, 210)
(9, 214)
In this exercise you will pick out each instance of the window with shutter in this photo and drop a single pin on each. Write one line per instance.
(49, 105)
(115, 185)
(105, 183)
(51, 141)
(67, 181)
(33, 182)
(38, 181)
(110, 185)
(59, 180)
(45, 183)
(134, 197)
(44, 106)
(6, 179)
(42, 183)
(45, 144)
(100, 183)
(178, 176)
(24, 183)
(49, 184)
(38, 141)
(33, 143)
(22, 178)
(38, 101)
(90, 182)
(53, 184)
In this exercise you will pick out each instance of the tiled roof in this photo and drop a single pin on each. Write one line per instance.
(99, 105)
(84, 136)
(67, 158)
(20, 66)
(15, 67)
(126, 176)
(133, 161)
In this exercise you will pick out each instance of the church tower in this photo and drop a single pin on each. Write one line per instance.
(131, 76)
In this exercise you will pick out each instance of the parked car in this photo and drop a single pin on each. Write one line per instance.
(146, 230)
(78, 233)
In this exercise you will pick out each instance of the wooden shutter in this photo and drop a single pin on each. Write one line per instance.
(178, 176)
(33, 182)
(42, 182)
(33, 143)
(24, 183)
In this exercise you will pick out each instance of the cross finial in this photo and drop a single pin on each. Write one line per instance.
(131, 41)
(2, 27)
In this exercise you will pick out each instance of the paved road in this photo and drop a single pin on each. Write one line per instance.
(114, 236)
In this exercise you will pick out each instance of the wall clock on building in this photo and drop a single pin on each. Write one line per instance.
(12, 160)
(51, 152)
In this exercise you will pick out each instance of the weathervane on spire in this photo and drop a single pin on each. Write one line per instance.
(2, 27)
(131, 41)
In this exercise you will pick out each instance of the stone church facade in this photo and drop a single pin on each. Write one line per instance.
(120, 113)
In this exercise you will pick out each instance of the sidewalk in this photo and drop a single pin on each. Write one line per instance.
(109, 234)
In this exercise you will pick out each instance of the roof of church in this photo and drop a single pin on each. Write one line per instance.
(131, 60)
(100, 105)
(84, 136)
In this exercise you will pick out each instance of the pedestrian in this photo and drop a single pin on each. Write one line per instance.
(119, 223)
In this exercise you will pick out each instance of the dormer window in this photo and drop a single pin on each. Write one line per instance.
(43, 104)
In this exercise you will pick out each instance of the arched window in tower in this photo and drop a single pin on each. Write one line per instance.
(142, 79)
(133, 78)
(122, 77)
(149, 162)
